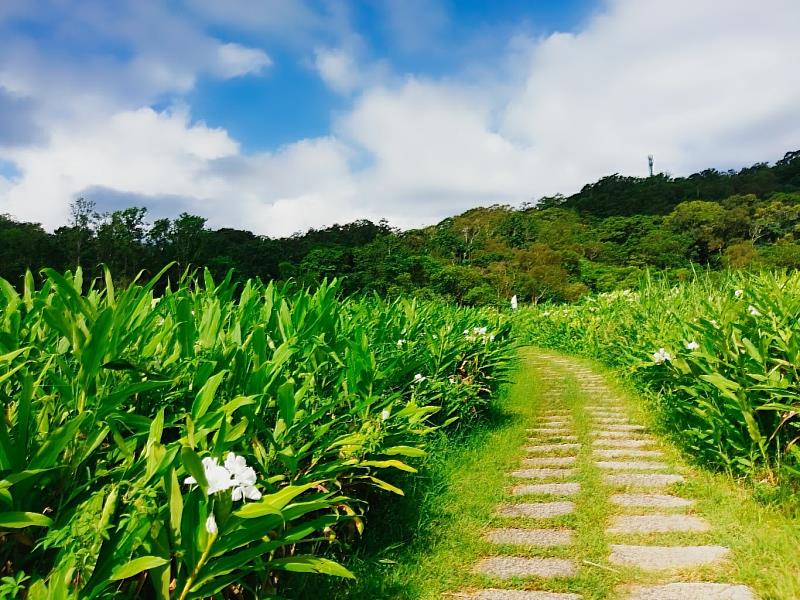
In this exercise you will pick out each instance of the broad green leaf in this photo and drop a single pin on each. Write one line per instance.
(311, 564)
(194, 466)
(136, 566)
(18, 520)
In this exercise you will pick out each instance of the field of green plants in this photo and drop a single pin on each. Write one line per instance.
(719, 354)
(207, 438)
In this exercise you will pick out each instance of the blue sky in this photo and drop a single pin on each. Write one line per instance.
(292, 102)
(278, 115)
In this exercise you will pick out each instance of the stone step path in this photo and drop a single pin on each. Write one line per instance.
(536, 550)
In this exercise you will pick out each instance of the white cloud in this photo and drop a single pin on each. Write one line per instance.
(284, 18)
(141, 151)
(697, 84)
(235, 60)
(675, 80)
(415, 25)
(337, 69)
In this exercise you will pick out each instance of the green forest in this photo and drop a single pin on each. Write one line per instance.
(558, 248)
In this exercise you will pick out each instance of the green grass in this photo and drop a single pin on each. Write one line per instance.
(434, 535)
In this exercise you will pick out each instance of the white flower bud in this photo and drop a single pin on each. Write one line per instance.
(211, 525)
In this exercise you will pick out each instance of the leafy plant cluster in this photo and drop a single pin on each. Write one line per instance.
(203, 441)
(722, 351)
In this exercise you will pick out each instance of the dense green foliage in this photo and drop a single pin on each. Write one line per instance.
(598, 239)
(722, 352)
(121, 408)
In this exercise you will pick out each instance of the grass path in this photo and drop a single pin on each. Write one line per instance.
(570, 496)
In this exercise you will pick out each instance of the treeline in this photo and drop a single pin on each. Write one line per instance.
(601, 238)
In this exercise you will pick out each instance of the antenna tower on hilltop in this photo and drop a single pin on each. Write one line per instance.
(650, 163)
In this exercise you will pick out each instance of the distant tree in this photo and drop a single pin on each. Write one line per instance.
(120, 241)
(77, 237)
(23, 246)
(187, 239)
(703, 222)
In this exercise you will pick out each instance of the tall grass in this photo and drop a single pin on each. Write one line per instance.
(728, 378)
(204, 442)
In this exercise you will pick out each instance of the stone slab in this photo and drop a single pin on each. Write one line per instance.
(657, 524)
(627, 453)
(549, 461)
(623, 427)
(658, 558)
(536, 510)
(648, 480)
(542, 473)
(649, 500)
(632, 465)
(612, 420)
(607, 433)
(606, 415)
(552, 439)
(551, 489)
(688, 591)
(596, 416)
(495, 594)
(552, 447)
(531, 537)
(552, 431)
(609, 443)
(506, 567)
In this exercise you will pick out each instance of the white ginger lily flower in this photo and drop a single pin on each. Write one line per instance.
(385, 414)
(692, 345)
(234, 474)
(753, 311)
(514, 304)
(661, 356)
(419, 378)
(400, 343)
(217, 476)
(738, 293)
(244, 478)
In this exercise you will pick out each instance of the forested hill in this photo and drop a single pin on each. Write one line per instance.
(658, 195)
(601, 238)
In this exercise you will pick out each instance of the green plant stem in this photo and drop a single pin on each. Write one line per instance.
(198, 566)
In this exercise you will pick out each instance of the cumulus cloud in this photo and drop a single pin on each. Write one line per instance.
(338, 69)
(235, 60)
(696, 84)
(680, 86)
(17, 123)
(141, 151)
(284, 18)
